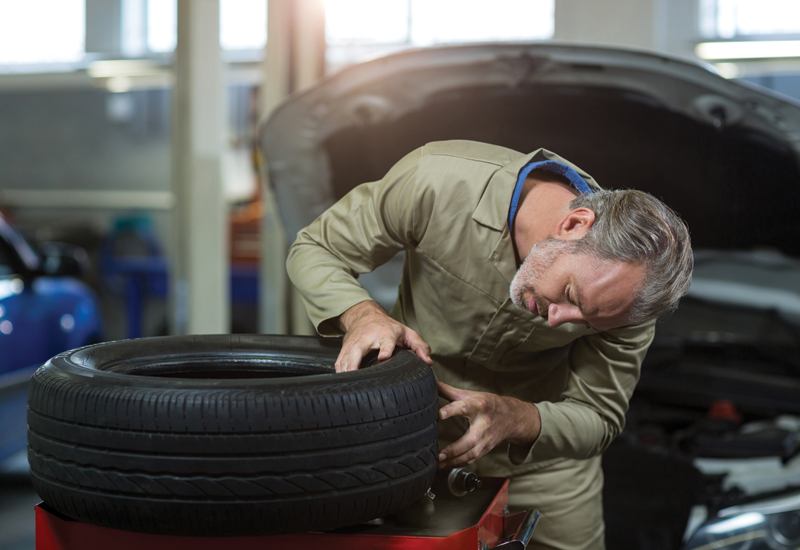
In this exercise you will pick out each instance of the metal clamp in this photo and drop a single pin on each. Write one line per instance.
(523, 535)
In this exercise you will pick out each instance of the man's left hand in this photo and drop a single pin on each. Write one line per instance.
(492, 418)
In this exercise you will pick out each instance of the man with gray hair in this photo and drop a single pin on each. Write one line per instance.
(531, 291)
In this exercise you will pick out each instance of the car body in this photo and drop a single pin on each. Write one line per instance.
(44, 310)
(709, 457)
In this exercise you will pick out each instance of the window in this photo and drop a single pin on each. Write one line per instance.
(749, 18)
(353, 22)
(356, 29)
(243, 24)
(40, 32)
(50, 35)
(162, 25)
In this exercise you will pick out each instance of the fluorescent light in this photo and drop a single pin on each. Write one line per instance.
(119, 84)
(124, 67)
(748, 50)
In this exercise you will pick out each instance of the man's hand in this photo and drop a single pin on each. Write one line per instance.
(492, 420)
(367, 327)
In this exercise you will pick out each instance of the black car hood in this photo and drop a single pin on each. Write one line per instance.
(724, 155)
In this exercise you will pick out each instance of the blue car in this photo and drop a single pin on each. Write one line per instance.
(44, 310)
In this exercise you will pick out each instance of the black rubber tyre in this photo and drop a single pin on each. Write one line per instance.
(229, 435)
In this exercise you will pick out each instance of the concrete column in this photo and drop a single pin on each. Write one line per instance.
(295, 58)
(668, 26)
(275, 85)
(200, 263)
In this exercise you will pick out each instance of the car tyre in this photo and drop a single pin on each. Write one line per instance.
(229, 435)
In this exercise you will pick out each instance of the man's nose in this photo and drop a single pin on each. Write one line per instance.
(557, 315)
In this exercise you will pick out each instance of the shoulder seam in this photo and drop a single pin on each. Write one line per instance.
(485, 161)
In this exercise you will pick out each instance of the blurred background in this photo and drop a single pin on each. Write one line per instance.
(128, 134)
(87, 144)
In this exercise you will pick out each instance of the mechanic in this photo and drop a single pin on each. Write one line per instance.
(531, 291)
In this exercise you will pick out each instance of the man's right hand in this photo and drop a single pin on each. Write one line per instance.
(367, 327)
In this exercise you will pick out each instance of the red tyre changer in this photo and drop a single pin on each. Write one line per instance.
(476, 521)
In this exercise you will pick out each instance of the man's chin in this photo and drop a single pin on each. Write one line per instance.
(519, 301)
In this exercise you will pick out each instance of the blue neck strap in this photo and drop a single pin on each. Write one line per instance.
(550, 166)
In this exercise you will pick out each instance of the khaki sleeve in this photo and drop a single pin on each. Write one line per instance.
(363, 230)
(603, 371)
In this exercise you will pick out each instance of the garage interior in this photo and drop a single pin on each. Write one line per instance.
(137, 132)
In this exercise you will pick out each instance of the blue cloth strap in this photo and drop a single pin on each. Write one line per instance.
(554, 167)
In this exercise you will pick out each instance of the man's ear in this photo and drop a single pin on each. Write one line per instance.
(575, 224)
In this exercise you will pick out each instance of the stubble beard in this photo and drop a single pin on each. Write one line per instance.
(542, 255)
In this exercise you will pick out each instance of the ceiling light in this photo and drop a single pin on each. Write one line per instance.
(119, 84)
(748, 50)
(123, 67)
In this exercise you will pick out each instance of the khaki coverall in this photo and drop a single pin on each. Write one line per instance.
(446, 204)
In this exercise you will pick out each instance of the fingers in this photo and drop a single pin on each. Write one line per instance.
(465, 451)
(351, 355)
(457, 408)
(354, 355)
(386, 347)
(340, 361)
(347, 357)
(415, 342)
(448, 459)
(452, 394)
(424, 353)
(384, 334)
(481, 409)
(354, 351)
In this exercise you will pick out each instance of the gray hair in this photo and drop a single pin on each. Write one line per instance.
(635, 227)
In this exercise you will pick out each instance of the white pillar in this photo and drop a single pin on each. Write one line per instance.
(668, 26)
(200, 263)
(275, 85)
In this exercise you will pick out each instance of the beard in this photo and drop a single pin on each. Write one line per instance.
(533, 269)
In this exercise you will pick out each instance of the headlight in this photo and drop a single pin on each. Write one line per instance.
(772, 524)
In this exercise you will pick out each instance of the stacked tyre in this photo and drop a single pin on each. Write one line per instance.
(229, 435)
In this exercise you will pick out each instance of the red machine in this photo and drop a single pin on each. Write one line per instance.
(478, 520)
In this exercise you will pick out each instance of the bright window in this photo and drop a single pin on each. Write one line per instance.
(366, 22)
(426, 22)
(34, 32)
(243, 24)
(162, 25)
(740, 18)
(356, 29)
(454, 21)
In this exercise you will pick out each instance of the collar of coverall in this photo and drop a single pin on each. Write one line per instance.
(553, 167)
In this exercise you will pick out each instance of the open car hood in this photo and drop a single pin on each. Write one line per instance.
(722, 154)
(726, 156)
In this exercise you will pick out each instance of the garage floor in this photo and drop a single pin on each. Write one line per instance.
(17, 499)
